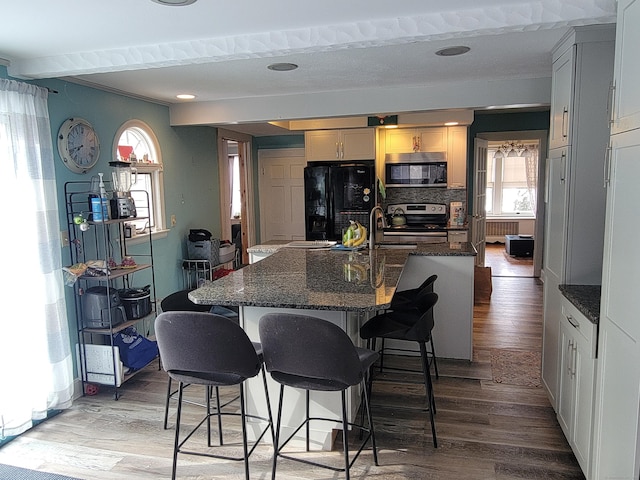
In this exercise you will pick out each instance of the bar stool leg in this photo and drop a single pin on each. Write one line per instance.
(429, 390)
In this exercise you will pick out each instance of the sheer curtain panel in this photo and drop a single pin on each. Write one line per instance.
(36, 369)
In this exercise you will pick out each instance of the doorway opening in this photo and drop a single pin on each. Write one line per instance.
(514, 202)
(236, 214)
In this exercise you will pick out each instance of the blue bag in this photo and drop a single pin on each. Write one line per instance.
(136, 351)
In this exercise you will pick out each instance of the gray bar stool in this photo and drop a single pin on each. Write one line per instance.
(402, 301)
(179, 302)
(313, 354)
(206, 349)
(414, 325)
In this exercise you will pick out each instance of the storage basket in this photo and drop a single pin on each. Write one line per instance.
(204, 250)
(227, 253)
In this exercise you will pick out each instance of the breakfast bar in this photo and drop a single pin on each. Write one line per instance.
(346, 288)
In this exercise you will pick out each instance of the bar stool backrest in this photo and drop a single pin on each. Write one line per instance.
(308, 352)
(205, 348)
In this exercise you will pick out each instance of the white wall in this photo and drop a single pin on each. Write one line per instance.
(464, 94)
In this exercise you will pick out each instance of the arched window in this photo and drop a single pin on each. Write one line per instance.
(135, 142)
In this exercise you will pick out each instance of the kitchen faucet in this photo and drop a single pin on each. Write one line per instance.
(373, 224)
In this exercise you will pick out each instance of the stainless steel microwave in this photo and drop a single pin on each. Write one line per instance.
(416, 170)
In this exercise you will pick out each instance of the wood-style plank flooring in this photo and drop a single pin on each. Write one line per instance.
(486, 430)
(505, 265)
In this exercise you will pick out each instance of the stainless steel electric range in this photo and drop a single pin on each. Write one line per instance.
(416, 222)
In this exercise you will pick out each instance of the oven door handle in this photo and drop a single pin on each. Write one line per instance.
(406, 233)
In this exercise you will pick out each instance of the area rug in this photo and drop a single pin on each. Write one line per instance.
(516, 367)
(9, 472)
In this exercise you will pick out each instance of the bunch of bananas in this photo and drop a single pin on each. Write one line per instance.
(355, 235)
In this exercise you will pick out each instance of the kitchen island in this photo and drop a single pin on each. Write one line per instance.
(346, 288)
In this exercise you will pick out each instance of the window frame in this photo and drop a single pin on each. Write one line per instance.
(155, 170)
(497, 185)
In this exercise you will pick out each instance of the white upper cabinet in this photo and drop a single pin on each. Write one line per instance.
(457, 157)
(452, 141)
(561, 93)
(626, 94)
(338, 145)
(407, 140)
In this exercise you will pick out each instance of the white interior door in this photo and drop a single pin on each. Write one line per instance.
(478, 214)
(281, 173)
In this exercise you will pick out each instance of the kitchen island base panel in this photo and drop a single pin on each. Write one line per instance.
(453, 314)
(322, 404)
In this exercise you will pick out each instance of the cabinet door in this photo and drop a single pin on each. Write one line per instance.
(556, 213)
(566, 384)
(457, 157)
(321, 145)
(584, 380)
(432, 139)
(576, 383)
(408, 140)
(626, 107)
(562, 78)
(616, 448)
(551, 340)
(400, 140)
(358, 144)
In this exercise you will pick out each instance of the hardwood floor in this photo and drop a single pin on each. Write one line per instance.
(504, 265)
(486, 430)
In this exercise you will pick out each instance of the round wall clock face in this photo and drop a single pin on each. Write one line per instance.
(78, 145)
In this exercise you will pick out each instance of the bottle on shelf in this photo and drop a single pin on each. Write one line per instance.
(100, 205)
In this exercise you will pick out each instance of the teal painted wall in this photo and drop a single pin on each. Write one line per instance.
(189, 155)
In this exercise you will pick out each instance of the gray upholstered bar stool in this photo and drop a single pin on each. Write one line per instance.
(414, 325)
(211, 350)
(313, 354)
(402, 301)
(179, 302)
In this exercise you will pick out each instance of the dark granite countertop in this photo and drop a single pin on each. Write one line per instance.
(586, 299)
(320, 279)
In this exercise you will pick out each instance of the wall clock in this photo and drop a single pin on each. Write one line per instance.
(78, 145)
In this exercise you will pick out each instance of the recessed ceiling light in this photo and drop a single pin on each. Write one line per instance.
(450, 124)
(452, 51)
(175, 3)
(185, 96)
(282, 67)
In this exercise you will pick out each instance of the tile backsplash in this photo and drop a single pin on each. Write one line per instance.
(425, 195)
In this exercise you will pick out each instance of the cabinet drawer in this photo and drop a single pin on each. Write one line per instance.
(581, 324)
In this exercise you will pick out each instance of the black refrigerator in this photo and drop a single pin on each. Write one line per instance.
(336, 193)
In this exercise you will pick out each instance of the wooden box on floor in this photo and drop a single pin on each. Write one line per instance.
(482, 286)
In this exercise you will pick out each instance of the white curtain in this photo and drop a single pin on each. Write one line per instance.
(531, 165)
(36, 370)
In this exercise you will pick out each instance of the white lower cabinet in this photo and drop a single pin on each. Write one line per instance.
(577, 382)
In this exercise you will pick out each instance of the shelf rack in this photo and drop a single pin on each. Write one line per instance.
(103, 241)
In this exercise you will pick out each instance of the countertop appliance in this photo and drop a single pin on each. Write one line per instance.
(99, 304)
(416, 169)
(424, 222)
(136, 301)
(336, 193)
(124, 176)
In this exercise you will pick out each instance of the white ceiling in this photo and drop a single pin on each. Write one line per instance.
(219, 51)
